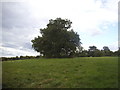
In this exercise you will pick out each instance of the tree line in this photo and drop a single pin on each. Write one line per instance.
(94, 52)
(18, 58)
(91, 52)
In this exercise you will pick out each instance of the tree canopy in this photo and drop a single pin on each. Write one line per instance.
(57, 39)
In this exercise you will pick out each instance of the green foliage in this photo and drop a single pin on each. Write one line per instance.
(105, 48)
(117, 53)
(84, 53)
(57, 40)
(108, 53)
(84, 72)
(94, 52)
(97, 53)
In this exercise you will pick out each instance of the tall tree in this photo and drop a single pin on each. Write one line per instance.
(57, 39)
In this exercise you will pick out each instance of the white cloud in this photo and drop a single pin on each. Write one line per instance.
(114, 46)
(85, 15)
(9, 52)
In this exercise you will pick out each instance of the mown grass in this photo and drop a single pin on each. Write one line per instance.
(83, 72)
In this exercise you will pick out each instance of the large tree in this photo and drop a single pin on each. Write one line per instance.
(57, 39)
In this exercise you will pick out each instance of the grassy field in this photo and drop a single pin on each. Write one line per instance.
(83, 72)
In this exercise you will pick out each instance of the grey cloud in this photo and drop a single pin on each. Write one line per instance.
(16, 14)
(7, 53)
(9, 45)
(27, 45)
(18, 40)
(17, 29)
(12, 40)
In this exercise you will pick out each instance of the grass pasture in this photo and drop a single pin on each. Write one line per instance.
(83, 72)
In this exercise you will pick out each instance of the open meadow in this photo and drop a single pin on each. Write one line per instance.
(82, 72)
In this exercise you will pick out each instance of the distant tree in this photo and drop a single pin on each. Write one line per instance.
(94, 52)
(84, 53)
(117, 53)
(91, 51)
(103, 53)
(107, 51)
(92, 48)
(4, 58)
(105, 48)
(21, 57)
(98, 53)
(57, 39)
(17, 57)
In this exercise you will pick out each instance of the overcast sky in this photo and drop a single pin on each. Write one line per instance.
(96, 21)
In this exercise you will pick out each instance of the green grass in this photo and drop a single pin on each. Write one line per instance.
(83, 72)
